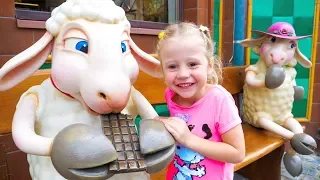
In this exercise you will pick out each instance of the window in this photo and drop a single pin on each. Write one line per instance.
(138, 12)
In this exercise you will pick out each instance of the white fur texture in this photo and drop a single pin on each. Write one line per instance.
(55, 111)
(104, 11)
(273, 104)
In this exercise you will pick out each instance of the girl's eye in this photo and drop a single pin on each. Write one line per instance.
(273, 39)
(123, 47)
(172, 66)
(193, 64)
(78, 44)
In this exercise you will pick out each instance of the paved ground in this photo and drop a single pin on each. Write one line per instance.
(311, 169)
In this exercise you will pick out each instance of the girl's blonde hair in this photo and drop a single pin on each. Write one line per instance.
(189, 30)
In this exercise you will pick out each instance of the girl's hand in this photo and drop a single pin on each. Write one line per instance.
(178, 128)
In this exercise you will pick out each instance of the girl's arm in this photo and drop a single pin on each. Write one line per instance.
(231, 150)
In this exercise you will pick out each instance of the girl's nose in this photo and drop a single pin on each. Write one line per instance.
(183, 73)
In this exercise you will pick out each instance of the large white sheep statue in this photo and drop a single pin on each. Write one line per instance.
(270, 89)
(77, 124)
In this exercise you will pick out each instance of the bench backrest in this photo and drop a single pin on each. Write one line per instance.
(151, 88)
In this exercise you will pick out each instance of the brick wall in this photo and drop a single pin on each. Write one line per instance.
(202, 11)
(13, 39)
(196, 11)
(227, 32)
(13, 163)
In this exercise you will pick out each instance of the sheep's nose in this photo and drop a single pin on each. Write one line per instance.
(102, 95)
(276, 59)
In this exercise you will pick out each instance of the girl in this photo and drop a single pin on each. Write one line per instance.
(204, 118)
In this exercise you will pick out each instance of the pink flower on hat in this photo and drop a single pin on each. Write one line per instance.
(284, 32)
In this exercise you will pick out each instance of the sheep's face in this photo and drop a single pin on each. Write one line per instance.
(277, 51)
(93, 63)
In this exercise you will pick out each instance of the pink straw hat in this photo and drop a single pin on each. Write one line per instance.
(282, 30)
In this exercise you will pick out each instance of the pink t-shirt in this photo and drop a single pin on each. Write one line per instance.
(210, 117)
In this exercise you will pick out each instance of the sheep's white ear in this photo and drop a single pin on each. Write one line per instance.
(250, 42)
(147, 63)
(256, 50)
(26, 63)
(302, 59)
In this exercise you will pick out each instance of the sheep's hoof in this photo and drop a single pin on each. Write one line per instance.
(155, 152)
(154, 136)
(275, 76)
(156, 144)
(159, 160)
(293, 164)
(298, 92)
(80, 151)
(303, 144)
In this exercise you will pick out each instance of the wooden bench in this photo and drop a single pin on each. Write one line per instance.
(264, 149)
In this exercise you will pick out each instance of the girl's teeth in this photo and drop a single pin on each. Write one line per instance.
(184, 85)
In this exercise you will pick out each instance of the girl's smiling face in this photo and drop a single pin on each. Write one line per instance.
(185, 67)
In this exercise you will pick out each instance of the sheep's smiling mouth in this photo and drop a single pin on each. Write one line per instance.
(98, 171)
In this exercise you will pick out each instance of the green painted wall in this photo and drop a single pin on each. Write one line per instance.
(46, 66)
(300, 14)
(216, 23)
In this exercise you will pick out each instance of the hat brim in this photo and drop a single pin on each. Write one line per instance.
(280, 36)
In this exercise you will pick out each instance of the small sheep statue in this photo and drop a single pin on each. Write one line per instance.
(270, 89)
(63, 123)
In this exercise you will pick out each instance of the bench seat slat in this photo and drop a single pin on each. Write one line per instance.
(259, 143)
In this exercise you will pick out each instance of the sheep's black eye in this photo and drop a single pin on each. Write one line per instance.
(273, 39)
(292, 44)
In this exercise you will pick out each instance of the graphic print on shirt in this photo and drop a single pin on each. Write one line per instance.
(206, 129)
(190, 166)
(185, 117)
(190, 127)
